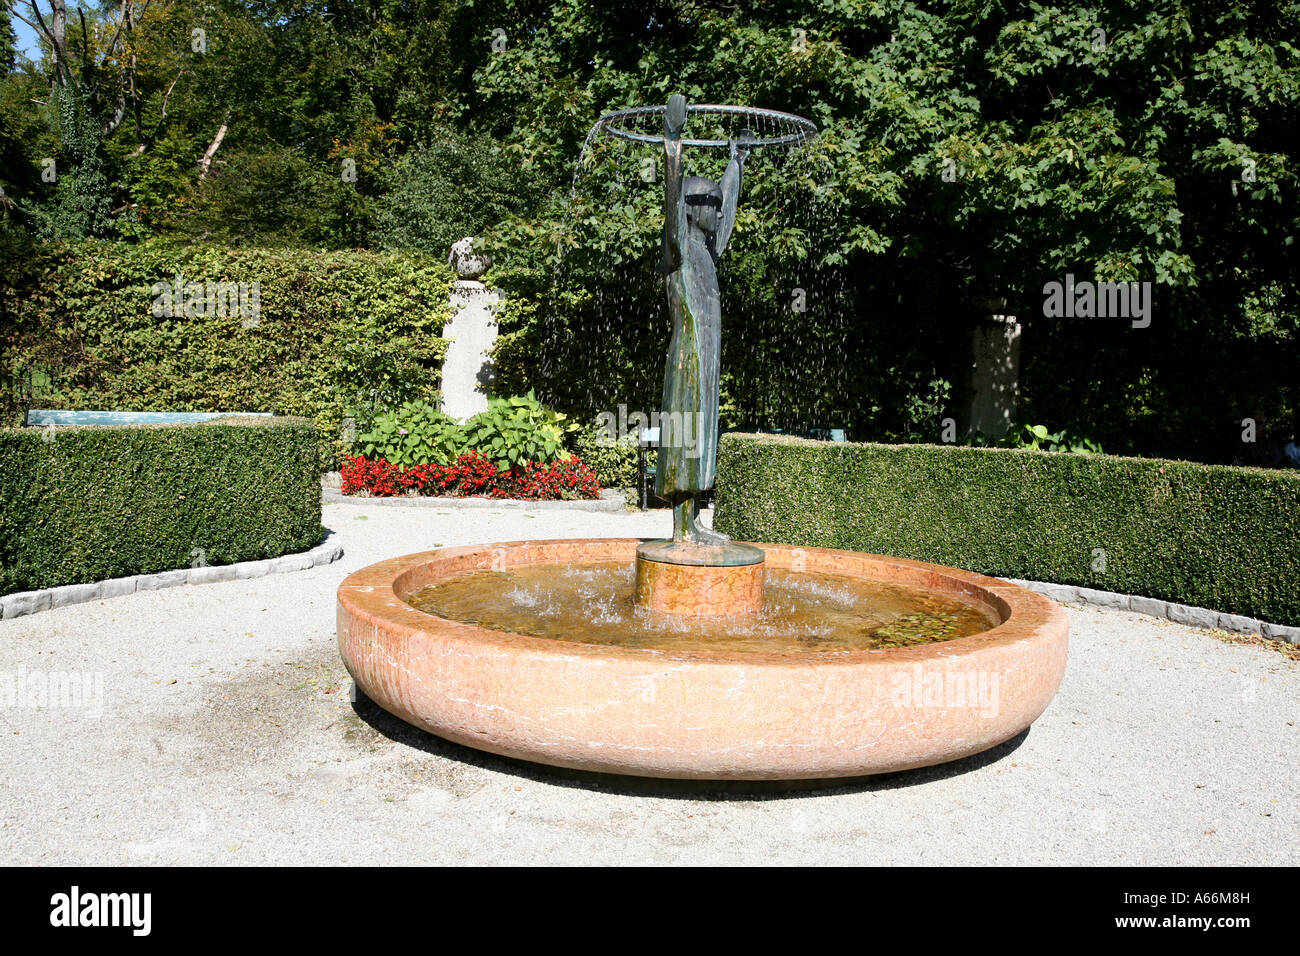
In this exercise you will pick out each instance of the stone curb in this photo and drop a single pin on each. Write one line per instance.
(611, 502)
(32, 602)
(1178, 613)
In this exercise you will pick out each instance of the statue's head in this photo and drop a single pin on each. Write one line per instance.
(703, 203)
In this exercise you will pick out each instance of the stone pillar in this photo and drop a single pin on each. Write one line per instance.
(995, 370)
(472, 331)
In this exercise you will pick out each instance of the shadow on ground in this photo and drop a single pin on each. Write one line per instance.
(400, 732)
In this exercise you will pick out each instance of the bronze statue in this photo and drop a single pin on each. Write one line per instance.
(699, 216)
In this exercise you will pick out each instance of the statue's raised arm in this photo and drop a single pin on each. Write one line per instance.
(674, 122)
(740, 147)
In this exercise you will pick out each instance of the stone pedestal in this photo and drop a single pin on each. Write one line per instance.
(467, 366)
(699, 580)
(995, 373)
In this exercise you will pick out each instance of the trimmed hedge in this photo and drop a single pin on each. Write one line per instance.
(1208, 535)
(84, 504)
(615, 464)
(333, 331)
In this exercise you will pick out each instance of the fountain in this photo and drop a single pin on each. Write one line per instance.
(698, 656)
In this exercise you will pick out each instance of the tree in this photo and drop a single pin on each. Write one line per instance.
(1108, 140)
(968, 151)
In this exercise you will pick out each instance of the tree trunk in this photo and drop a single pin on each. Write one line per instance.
(59, 39)
(206, 162)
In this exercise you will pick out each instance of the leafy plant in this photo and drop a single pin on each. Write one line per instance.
(614, 461)
(1038, 438)
(415, 433)
(518, 430)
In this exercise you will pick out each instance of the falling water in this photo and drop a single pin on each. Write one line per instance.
(782, 283)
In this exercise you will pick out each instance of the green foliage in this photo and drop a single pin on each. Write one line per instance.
(1209, 535)
(335, 334)
(976, 150)
(25, 138)
(517, 430)
(82, 196)
(1038, 437)
(86, 504)
(441, 193)
(614, 459)
(924, 405)
(416, 433)
(8, 45)
(276, 198)
(969, 150)
(378, 361)
(511, 431)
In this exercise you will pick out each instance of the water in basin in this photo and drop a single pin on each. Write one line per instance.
(592, 603)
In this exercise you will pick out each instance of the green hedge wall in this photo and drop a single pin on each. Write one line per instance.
(85, 504)
(333, 330)
(615, 464)
(1213, 536)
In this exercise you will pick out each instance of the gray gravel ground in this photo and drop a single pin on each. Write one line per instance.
(227, 737)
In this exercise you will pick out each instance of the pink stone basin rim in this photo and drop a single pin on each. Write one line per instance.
(699, 714)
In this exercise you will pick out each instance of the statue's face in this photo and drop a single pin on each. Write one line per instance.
(703, 210)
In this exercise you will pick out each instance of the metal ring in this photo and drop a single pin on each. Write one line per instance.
(806, 128)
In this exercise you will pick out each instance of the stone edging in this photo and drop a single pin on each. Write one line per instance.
(610, 501)
(32, 602)
(1179, 613)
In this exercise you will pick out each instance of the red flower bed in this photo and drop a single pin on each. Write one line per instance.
(471, 475)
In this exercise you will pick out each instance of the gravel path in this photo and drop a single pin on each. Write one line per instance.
(227, 737)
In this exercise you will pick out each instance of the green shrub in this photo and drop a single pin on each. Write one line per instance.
(416, 433)
(511, 431)
(515, 431)
(454, 187)
(85, 504)
(614, 462)
(336, 334)
(274, 197)
(1209, 535)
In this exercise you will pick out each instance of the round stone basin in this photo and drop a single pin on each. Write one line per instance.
(684, 711)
